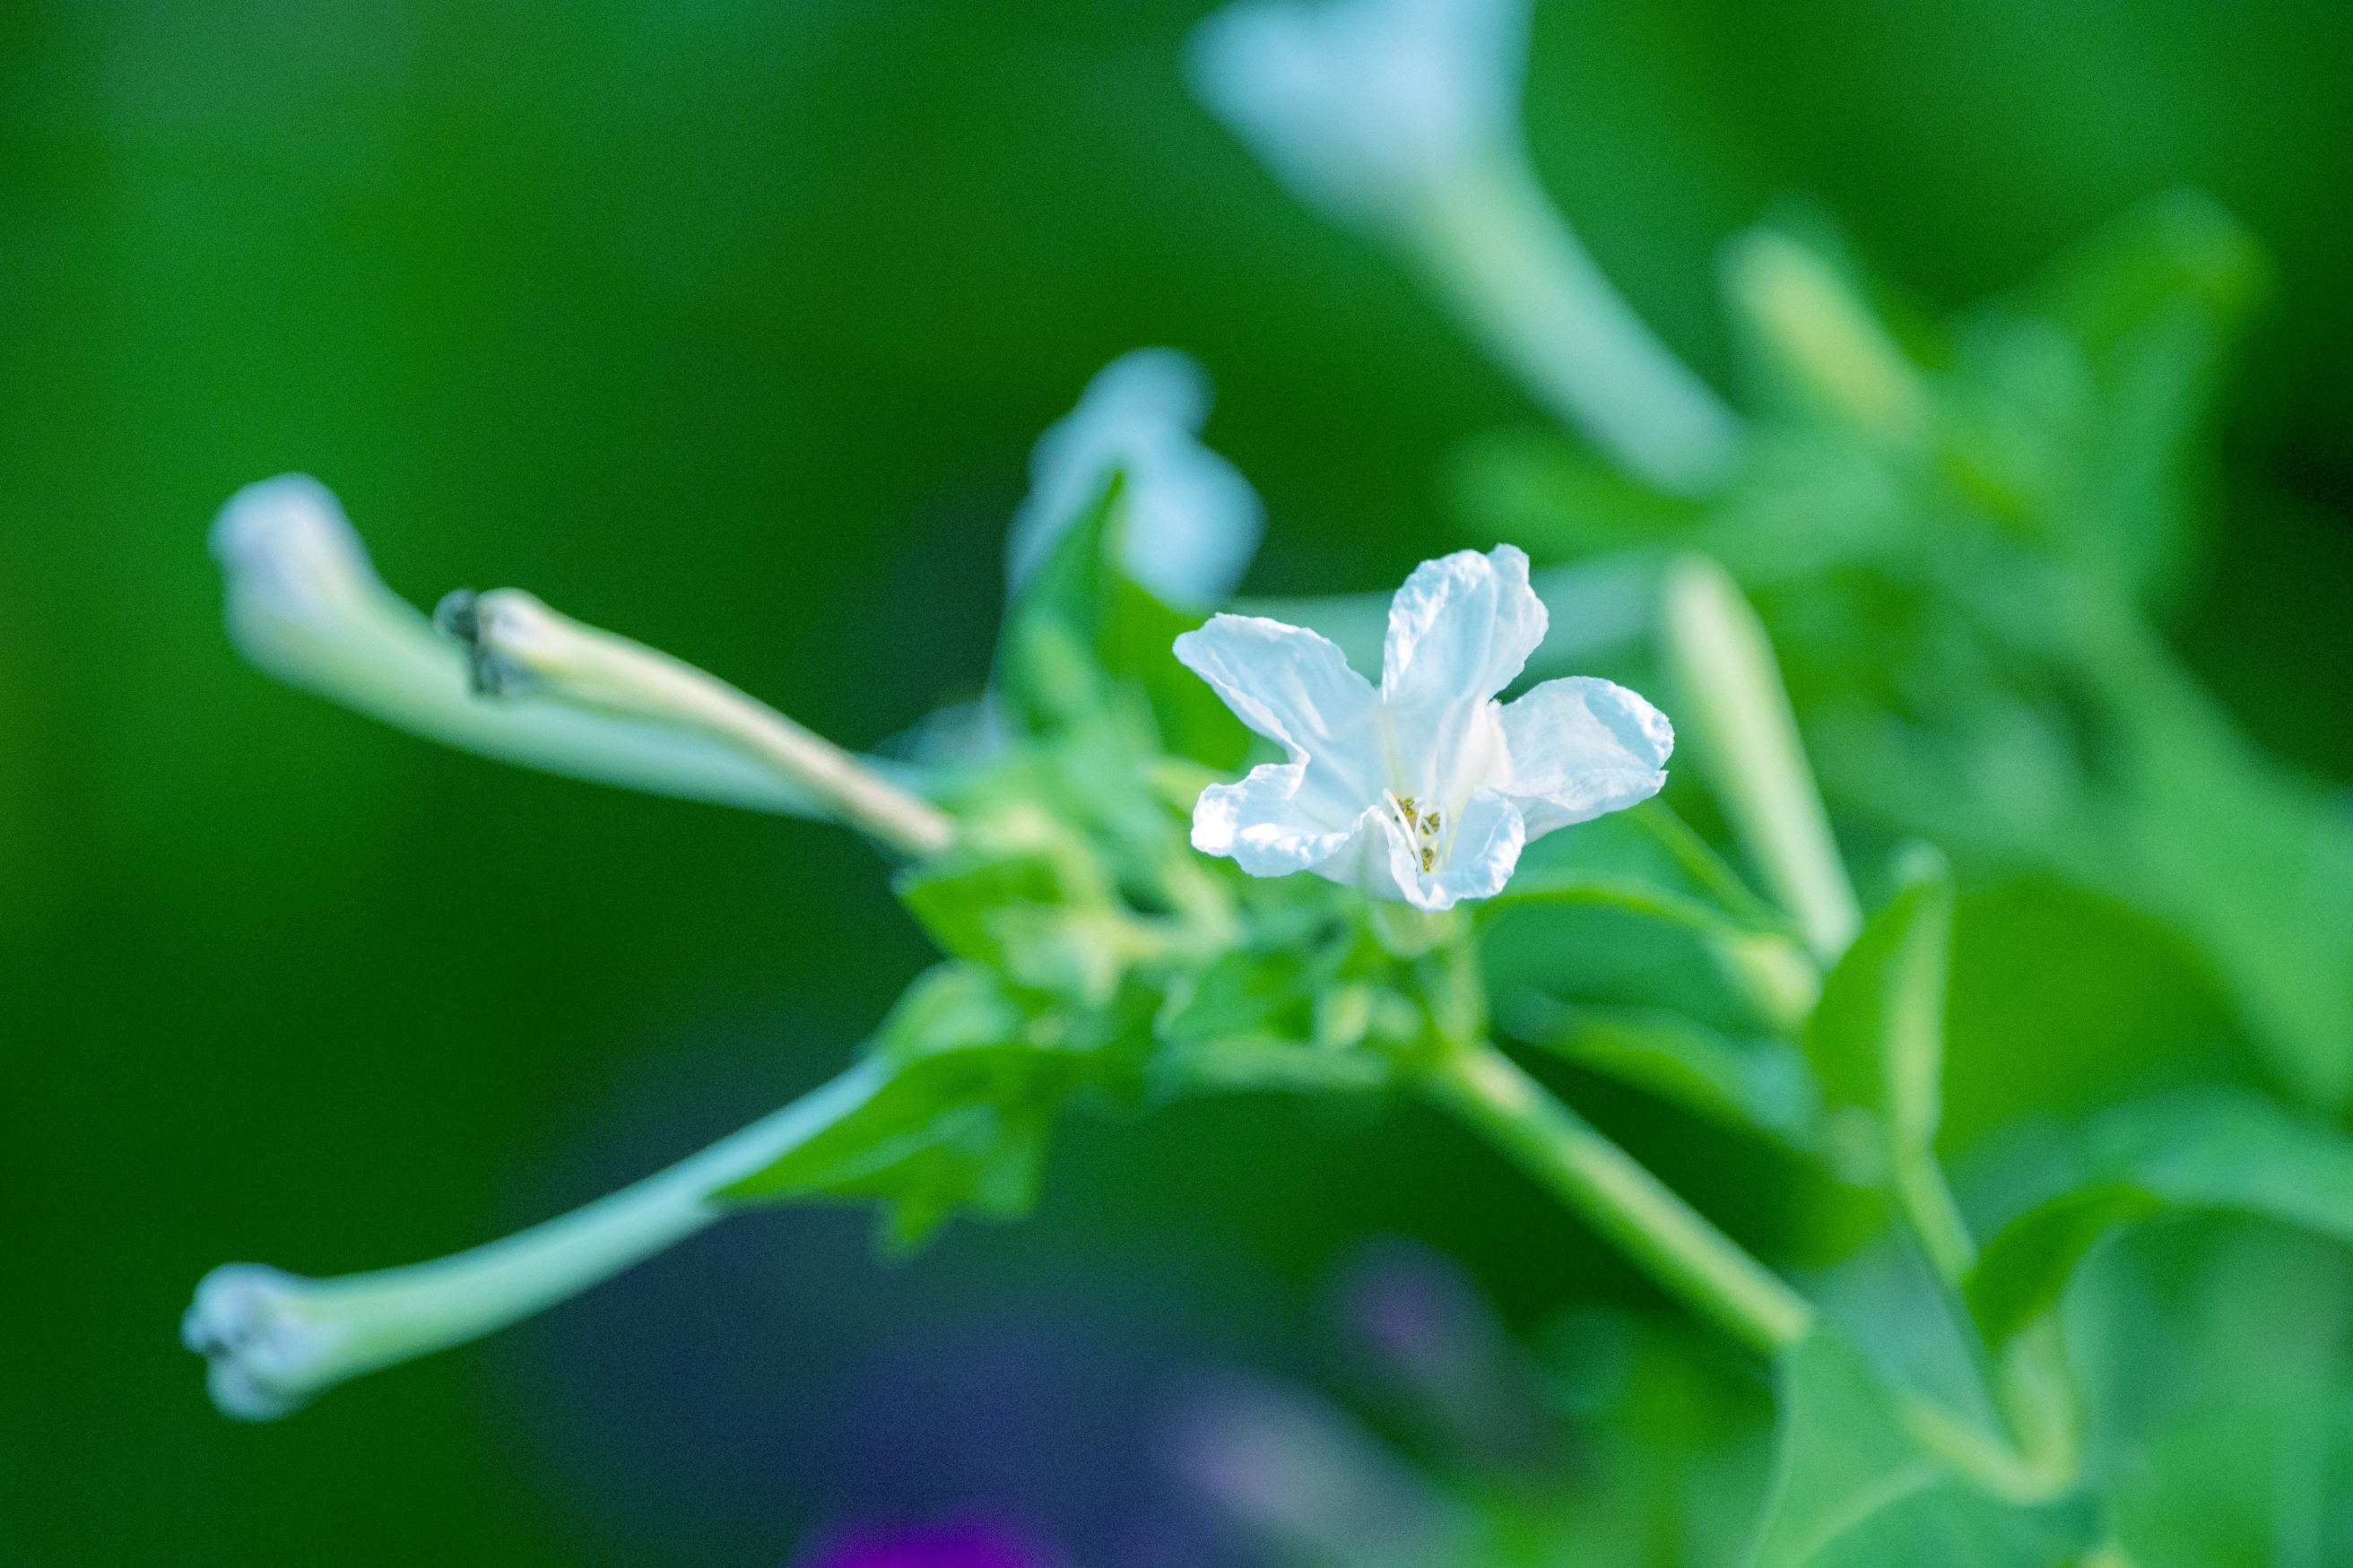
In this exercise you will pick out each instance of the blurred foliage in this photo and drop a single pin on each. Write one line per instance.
(730, 325)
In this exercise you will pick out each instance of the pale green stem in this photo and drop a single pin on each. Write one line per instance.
(277, 1340)
(1732, 696)
(1928, 1203)
(1520, 276)
(1614, 1193)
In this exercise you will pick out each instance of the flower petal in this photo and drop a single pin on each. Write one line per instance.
(1257, 824)
(1582, 747)
(1485, 850)
(1288, 684)
(1461, 628)
(1260, 825)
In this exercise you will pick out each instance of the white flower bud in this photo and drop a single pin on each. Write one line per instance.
(1193, 523)
(1734, 700)
(1826, 337)
(267, 1350)
(305, 604)
(519, 647)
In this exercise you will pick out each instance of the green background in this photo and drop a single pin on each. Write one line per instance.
(728, 326)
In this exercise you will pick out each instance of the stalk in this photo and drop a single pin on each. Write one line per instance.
(1614, 1193)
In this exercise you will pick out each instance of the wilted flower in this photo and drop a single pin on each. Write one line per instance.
(266, 1348)
(1426, 789)
(274, 1340)
(1192, 522)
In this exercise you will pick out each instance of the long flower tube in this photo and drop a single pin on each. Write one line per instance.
(1402, 118)
(275, 1341)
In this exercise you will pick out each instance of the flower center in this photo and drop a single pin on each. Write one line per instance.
(1420, 829)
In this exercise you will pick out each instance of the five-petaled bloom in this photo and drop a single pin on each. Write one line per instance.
(1426, 789)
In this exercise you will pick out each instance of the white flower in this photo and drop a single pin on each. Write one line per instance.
(1358, 103)
(1192, 522)
(1426, 789)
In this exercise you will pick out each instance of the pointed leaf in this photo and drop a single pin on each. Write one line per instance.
(1080, 629)
(960, 1122)
(1855, 1487)
(2211, 1150)
(1877, 1040)
(1755, 1085)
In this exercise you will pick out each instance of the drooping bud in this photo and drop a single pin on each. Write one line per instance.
(304, 603)
(274, 1340)
(519, 648)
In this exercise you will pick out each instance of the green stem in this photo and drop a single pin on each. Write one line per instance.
(1618, 1196)
(1927, 1204)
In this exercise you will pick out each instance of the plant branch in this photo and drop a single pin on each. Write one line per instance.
(1614, 1193)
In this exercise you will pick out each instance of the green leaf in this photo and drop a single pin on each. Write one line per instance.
(2180, 252)
(1268, 1020)
(1877, 1044)
(2214, 1354)
(1022, 894)
(1877, 1040)
(1632, 895)
(960, 1122)
(2095, 384)
(1081, 630)
(2207, 1150)
(1856, 1487)
(1761, 960)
